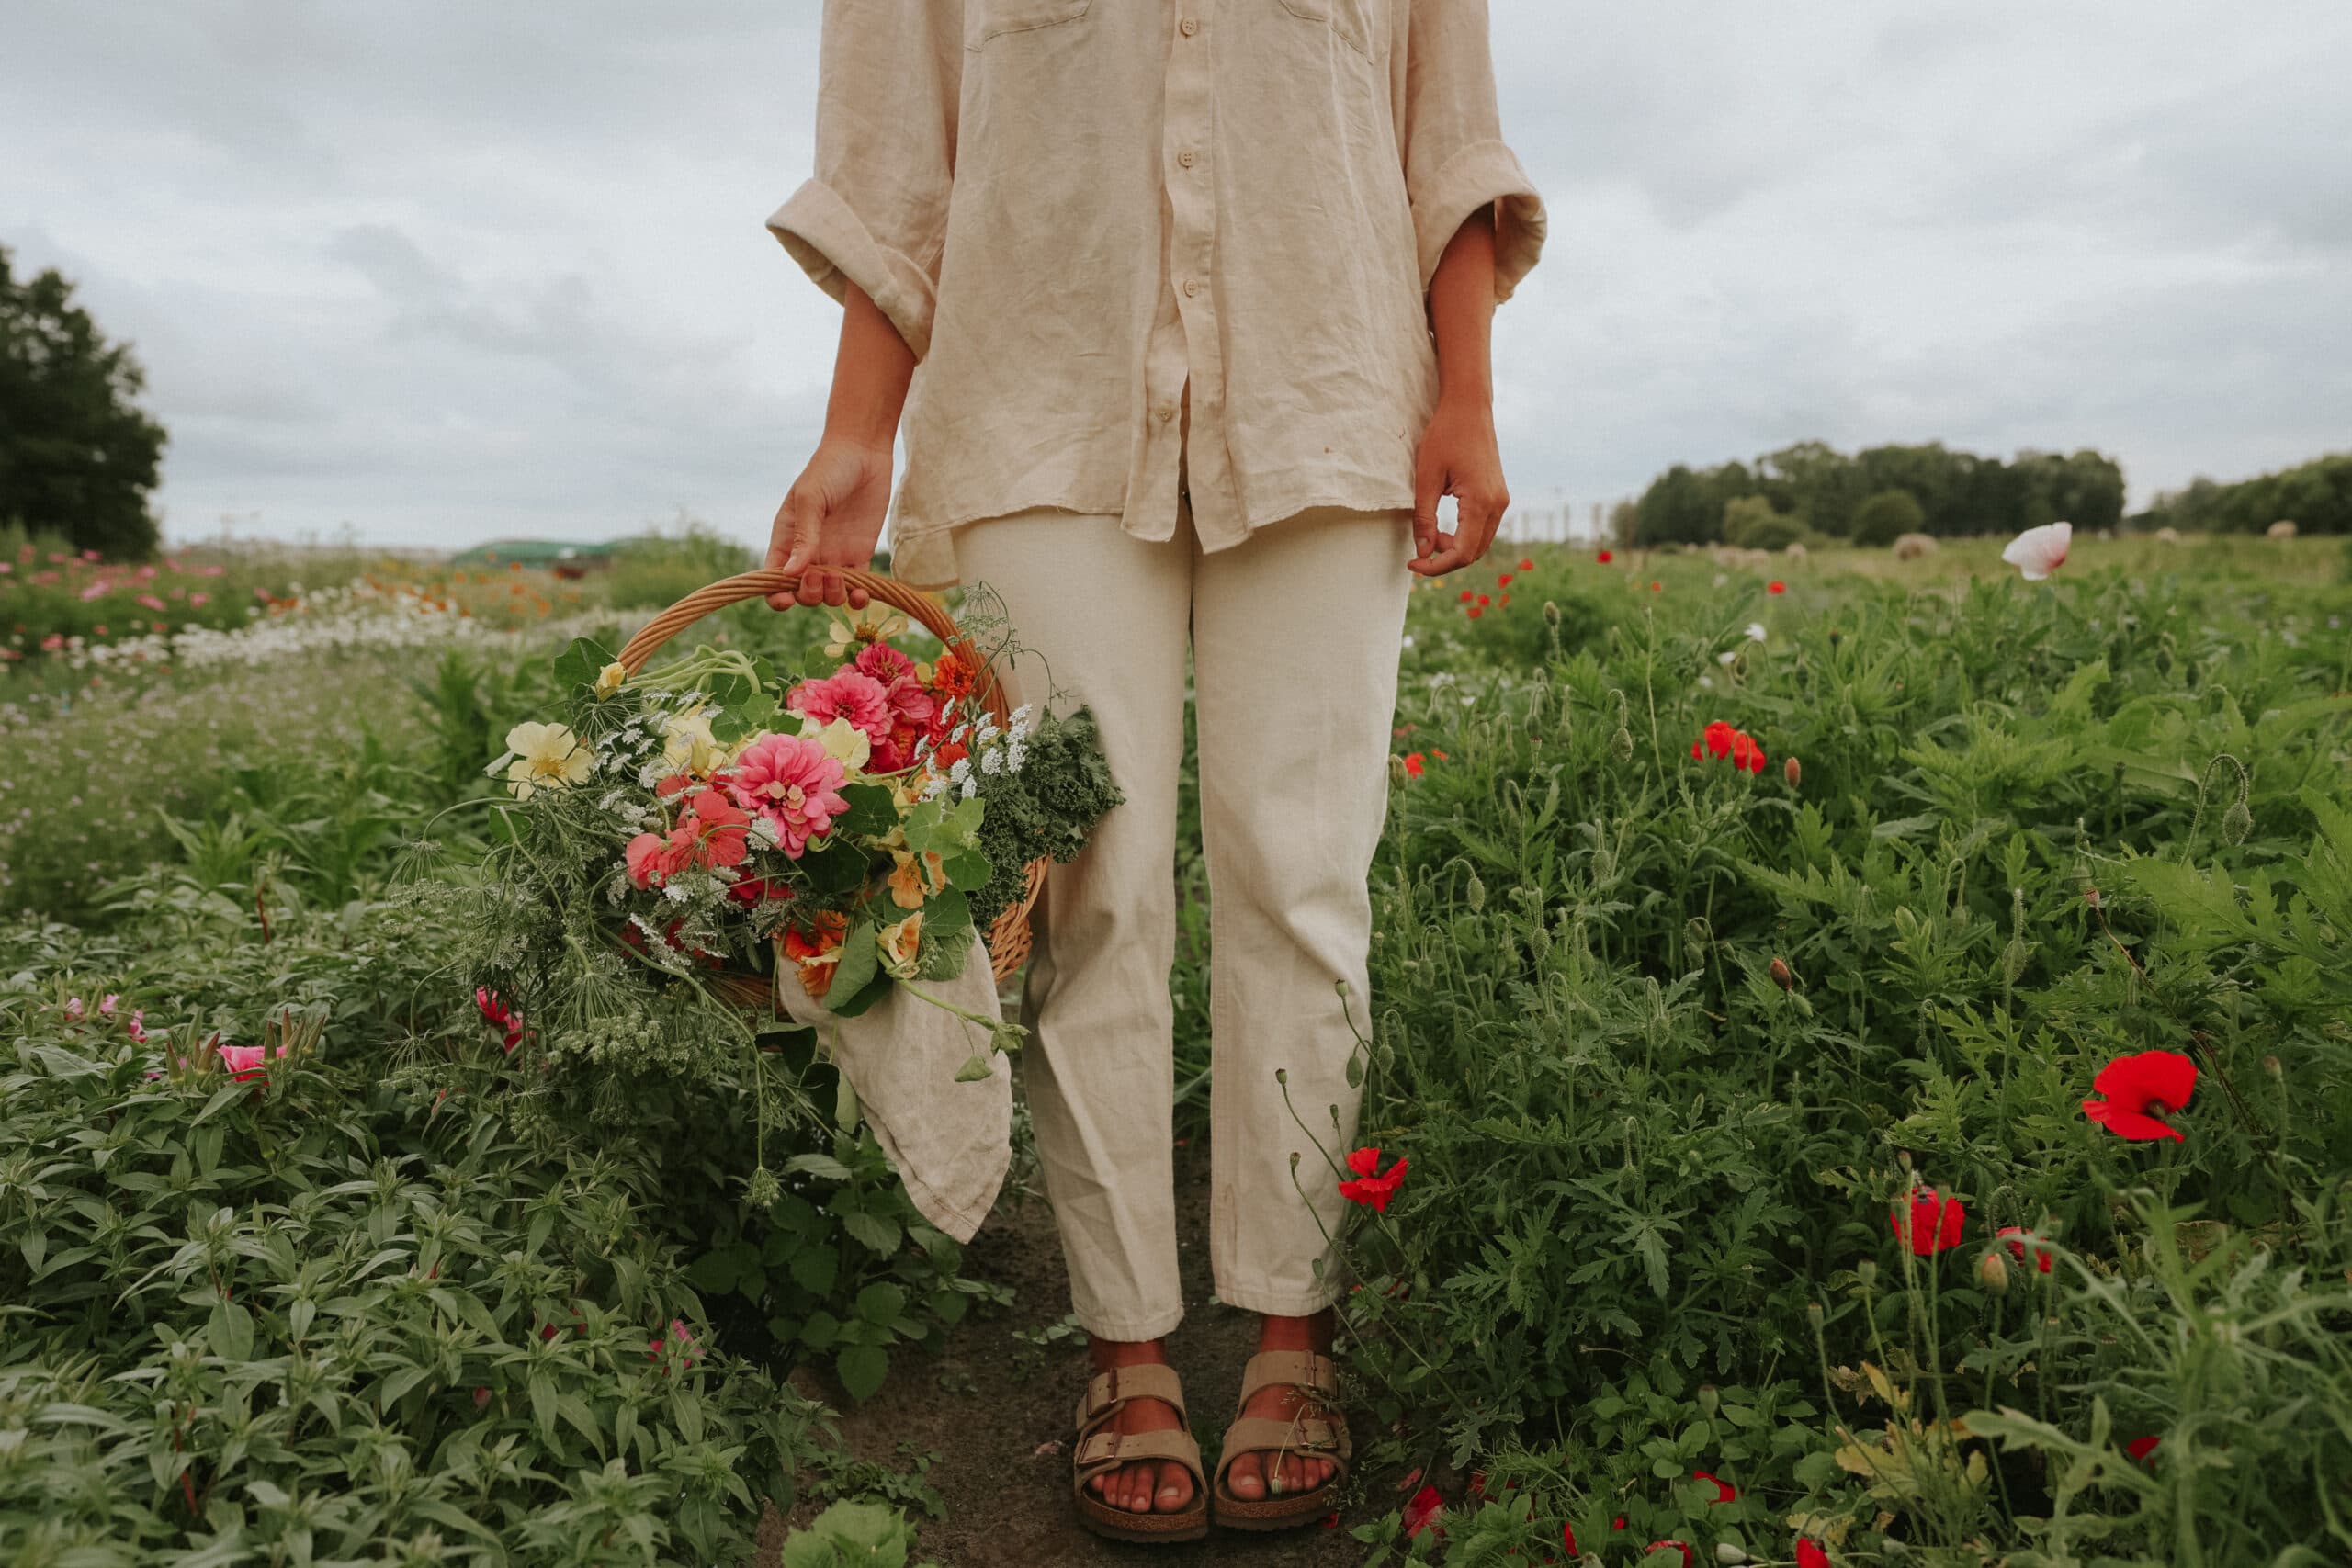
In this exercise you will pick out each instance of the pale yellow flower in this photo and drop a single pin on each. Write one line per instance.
(609, 679)
(843, 741)
(900, 945)
(546, 756)
(913, 879)
(688, 746)
(844, 637)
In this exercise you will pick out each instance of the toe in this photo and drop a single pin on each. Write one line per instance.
(1175, 1493)
(1245, 1480)
(1140, 1479)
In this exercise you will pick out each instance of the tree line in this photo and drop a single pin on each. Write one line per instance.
(1875, 496)
(2316, 497)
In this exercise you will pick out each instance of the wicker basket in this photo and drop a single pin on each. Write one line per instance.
(1008, 935)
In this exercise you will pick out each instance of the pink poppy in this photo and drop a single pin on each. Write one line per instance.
(794, 783)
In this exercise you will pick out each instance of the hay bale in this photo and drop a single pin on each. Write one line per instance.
(1911, 547)
(1796, 552)
(2282, 529)
(2168, 535)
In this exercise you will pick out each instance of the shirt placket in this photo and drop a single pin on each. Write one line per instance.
(1193, 355)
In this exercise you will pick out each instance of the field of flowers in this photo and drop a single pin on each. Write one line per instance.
(1860, 1067)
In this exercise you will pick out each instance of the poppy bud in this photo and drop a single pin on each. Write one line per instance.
(1792, 771)
(1621, 744)
(1726, 1552)
(2090, 896)
(1994, 1274)
(1866, 1271)
(1781, 975)
(2270, 1064)
(2237, 822)
(1551, 615)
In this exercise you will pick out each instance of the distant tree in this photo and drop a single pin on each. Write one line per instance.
(2085, 489)
(2315, 496)
(1750, 522)
(1624, 523)
(1814, 481)
(1887, 516)
(1677, 509)
(77, 455)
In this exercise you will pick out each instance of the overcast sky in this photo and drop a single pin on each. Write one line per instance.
(441, 271)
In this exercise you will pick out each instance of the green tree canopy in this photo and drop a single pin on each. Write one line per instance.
(2316, 497)
(77, 455)
(1887, 516)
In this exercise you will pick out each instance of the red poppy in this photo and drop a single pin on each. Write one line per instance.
(1776, 586)
(1605, 558)
(2139, 1086)
(1506, 598)
(1502, 579)
(1809, 1555)
(1656, 588)
(1662, 1545)
(2018, 1237)
(1476, 611)
(1568, 1537)
(1423, 1510)
(1438, 754)
(1468, 594)
(1331, 1520)
(497, 1015)
(1482, 598)
(1932, 1224)
(1370, 1185)
(1725, 1491)
(2140, 1448)
(1525, 564)
(1720, 740)
(1412, 764)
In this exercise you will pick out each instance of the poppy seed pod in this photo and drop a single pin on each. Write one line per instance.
(1781, 975)
(2270, 1065)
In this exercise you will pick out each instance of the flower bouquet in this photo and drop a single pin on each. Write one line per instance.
(682, 839)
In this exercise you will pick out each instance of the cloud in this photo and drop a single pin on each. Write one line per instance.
(444, 270)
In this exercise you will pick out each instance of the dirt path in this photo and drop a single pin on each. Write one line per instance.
(1002, 1436)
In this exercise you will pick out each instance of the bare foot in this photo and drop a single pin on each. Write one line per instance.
(1291, 1475)
(1147, 1485)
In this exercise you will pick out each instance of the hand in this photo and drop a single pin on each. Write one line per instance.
(831, 517)
(1458, 458)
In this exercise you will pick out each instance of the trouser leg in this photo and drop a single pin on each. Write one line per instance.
(1295, 637)
(1101, 618)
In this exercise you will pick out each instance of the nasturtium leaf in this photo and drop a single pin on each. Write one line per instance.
(872, 811)
(833, 865)
(580, 664)
(968, 871)
(855, 968)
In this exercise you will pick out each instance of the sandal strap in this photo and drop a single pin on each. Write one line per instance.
(1302, 1437)
(1108, 1391)
(1302, 1370)
(1102, 1451)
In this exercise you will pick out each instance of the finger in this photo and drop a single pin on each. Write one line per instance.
(1480, 519)
(1429, 483)
(812, 586)
(800, 523)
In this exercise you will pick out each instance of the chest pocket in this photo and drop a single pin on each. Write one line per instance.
(1351, 19)
(985, 19)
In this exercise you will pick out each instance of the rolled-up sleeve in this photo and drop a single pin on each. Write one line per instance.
(1455, 160)
(874, 211)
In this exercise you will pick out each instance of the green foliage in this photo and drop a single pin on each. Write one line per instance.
(2034, 829)
(1887, 516)
(1958, 492)
(77, 455)
(1045, 811)
(2315, 496)
(850, 1535)
(1751, 524)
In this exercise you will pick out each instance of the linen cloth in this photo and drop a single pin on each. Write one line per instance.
(1293, 636)
(951, 1141)
(1073, 209)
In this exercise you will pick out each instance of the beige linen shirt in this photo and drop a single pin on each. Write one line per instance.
(1122, 233)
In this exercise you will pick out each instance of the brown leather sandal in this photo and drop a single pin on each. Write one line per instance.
(1318, 1430)
(1099, 1450)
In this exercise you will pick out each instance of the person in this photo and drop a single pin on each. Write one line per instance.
(1184, 310)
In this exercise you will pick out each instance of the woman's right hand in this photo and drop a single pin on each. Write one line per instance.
(832, 517)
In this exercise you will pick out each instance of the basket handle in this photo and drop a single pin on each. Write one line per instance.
(922, 606)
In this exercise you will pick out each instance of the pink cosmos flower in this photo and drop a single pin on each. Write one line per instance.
(2037, 552)
(793, 782)
(849, 693)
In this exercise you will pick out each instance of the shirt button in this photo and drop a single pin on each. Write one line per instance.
(1166, 411)
(1189, 26)
(1185, 157)
(1191, 286)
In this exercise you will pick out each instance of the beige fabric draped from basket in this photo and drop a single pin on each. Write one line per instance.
(951, 1141)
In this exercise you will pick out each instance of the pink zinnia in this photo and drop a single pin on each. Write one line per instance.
(849, 693)
(913, 710)
(883, 662)
(793, 782)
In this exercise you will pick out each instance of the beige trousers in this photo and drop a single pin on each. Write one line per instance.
(1294, 636)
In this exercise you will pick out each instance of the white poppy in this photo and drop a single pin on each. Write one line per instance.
(2037, 552)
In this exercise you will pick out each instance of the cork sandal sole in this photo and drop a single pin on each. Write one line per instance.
(1099, 1451)
(1306, 1435)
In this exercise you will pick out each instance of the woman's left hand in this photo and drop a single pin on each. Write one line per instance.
(1458, 458)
